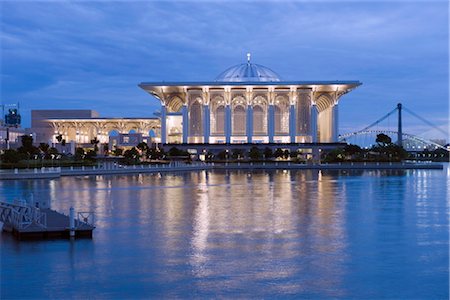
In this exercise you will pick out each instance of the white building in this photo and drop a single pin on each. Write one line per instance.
(249, 103)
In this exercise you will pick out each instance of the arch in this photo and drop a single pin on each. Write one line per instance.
(152, 133)
(219, 120)
(324, 101)
(174, 104)
(325, 104)
(281, 120)
(195, 119)
(303, 108)
(259, 120)
(113, 132)
(132, 131)
(238, 100)
(260, 100)
(114, 126)
(239, 120)
(217, 115)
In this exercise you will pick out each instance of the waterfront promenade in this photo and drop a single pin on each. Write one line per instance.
(113, 169)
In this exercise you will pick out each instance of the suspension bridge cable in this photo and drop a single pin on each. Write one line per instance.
(424, 120)
(379, 120)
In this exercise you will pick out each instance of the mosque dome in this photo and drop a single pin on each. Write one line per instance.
(248, 72)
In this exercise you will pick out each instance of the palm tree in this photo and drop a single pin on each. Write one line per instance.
(94, 142)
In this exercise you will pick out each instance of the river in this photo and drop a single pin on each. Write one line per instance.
(301, 234)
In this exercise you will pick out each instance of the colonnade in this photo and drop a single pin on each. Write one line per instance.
(251, 115)
(84, 130)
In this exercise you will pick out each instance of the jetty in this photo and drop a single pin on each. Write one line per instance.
(25, 221)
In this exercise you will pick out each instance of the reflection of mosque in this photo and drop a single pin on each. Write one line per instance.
(281, 216)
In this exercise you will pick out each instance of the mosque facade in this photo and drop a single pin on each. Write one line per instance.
(249, 103)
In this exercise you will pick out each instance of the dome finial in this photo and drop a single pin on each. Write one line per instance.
(248, 58)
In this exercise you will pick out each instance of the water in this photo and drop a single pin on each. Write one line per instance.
(302, 234)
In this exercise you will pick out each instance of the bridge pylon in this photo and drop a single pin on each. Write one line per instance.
(399, 130)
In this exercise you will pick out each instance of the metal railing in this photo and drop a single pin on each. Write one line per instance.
(86, 217)
(21, 216)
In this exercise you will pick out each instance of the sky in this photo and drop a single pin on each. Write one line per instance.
(93, 54)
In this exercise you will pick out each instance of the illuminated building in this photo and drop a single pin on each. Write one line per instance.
(249, 103)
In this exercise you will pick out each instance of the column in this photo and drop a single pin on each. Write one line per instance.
(292, 123)
(206, 124)
(184, 112)
(271, 123)
(163, 124)
(314, 113)
(249, 123)
(335, 124)
(227, 123)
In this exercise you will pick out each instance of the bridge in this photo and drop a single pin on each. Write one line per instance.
(408, 141)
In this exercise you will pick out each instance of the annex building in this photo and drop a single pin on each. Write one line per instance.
(249, 103)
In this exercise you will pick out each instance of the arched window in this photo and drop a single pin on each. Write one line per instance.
(303, 114)
(113, 132)
(239, 120)
(281, 110)
(220, 120)
(195, 119)
(259, 120)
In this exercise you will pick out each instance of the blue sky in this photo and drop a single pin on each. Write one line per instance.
(92, 54)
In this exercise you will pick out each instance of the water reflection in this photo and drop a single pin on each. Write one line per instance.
(302, 233)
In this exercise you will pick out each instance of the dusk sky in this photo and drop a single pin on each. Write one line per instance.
(93, 54)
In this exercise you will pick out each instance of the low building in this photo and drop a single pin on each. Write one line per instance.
(10, 137)
(45, 131)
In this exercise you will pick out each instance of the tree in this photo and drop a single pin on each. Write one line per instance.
(27, 141)
(52, 150)
(155, 153)
(118, 152)
(351, 149)
(143, 147)
(105, 148)
(278, 153)
(132, 153)
(383, 140)
(79, 154)
(27, 146)
(44, 147)
(59, 138)
(95, 142)
(12, 156)
(91, 154)
(237, 153)
(268, 153)
(254, 153)
(222, 155)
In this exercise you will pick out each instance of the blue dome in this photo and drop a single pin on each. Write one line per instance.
(248, 72)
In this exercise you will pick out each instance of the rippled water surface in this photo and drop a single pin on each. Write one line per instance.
(310, 234)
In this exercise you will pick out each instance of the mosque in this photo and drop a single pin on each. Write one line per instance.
(246, 104)
(249, 103)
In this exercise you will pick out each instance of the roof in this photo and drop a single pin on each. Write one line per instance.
(247, 83)
(248, 72)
